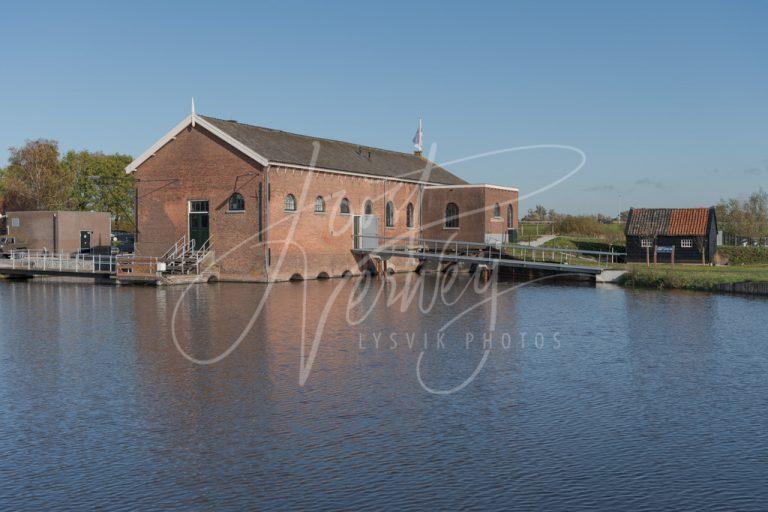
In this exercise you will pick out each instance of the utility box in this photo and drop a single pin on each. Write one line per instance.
(62, 231)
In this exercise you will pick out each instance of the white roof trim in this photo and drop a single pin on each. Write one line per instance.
(194, 119)
(480, 185)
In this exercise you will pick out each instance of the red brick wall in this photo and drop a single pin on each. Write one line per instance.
(198, 166)
(505, 198)
(326, 238)
(475, 211)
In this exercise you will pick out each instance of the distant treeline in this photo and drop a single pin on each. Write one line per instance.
(740, 217)
(39, 178)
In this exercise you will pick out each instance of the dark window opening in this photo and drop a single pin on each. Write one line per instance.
(451, 215)
(236, 203)
(389, 214)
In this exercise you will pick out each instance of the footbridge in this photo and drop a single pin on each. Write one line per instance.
(549, 259)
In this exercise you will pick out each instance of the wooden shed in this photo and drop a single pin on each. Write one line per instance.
(659, 234)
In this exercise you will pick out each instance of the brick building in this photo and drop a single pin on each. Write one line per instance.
(275, 205)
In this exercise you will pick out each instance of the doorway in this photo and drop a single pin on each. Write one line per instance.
(199, 230)
(366, 232)
(85, 241)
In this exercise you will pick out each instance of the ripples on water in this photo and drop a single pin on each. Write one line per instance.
(648, 400)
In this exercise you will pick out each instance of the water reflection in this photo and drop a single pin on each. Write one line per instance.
(597, 397)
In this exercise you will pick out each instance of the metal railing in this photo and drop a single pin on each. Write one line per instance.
(178, 248)
(96, 264)
(489, 250)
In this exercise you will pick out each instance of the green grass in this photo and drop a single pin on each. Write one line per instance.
(693, 277)
(584, 244)
(744, 255)
(527, 232)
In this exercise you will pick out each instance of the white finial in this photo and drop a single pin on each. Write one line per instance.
(193, 112)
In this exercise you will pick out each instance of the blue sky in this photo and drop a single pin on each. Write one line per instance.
(669, 101)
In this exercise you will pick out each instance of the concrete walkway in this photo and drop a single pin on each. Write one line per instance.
(542, 240)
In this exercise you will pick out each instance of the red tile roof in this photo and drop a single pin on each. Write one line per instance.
(688, 221)
(667, 222)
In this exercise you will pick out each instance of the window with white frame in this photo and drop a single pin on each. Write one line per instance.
(646, 242)
(686, 242)
(289, 203)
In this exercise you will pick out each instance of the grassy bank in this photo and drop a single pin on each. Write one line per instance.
(584, 244)
(693, 277)
(744, 255)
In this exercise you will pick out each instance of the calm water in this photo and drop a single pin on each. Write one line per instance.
(625, 399)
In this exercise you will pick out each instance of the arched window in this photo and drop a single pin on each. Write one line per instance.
(368, 207)
(409, 215)
(319, 204)
(290, 203)
(496, 210)
(451, 215)
(510, 217)
(344, 208)
(389, 214)
(236, 202)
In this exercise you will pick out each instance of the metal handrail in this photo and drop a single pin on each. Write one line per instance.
(496, 245)
(82, 263)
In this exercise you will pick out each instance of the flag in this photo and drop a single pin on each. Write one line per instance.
(418, 139)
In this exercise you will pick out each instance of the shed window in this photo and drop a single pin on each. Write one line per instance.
(344, 207)
(290, 203)
(236, 203)
(646, 242)
(686, 242)
(496, 210)
(368, 207)
(389, 214)
(319, 204)
(409, 215)
(451, 215)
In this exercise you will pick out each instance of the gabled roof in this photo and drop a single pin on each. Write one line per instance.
(668, 222)
(273, 147)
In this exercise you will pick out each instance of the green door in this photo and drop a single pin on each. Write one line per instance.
(199, 230)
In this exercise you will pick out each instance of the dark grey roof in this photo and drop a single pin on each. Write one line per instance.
(291, 148)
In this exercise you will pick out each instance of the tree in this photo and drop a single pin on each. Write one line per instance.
(538, 213)
(100, 183)
(34, 180)
(701, 245)
(745, 218)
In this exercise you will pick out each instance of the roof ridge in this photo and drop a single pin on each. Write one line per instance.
(317, 138)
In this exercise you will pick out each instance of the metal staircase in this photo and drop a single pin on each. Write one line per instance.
(185, 258)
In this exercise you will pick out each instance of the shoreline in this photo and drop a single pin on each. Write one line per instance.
(741, 280)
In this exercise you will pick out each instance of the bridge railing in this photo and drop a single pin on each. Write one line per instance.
(491, 249)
